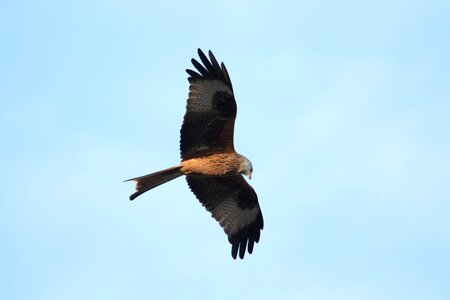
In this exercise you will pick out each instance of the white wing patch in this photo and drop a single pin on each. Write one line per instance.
(233, 218)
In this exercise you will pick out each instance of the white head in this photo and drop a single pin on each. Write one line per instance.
(246, 167)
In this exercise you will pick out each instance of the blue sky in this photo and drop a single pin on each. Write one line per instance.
(343, 109)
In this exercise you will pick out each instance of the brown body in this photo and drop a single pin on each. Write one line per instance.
(220, 164)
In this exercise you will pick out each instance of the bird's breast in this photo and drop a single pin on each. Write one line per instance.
(222, 164)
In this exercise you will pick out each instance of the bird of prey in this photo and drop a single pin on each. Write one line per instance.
(212, 167)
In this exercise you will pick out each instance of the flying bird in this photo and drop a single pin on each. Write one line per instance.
(212, 167)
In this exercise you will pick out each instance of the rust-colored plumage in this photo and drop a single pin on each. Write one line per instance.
(208, 159)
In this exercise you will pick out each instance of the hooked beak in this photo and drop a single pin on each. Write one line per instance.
(249, 174)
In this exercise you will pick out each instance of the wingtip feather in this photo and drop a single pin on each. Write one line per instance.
(234, 250)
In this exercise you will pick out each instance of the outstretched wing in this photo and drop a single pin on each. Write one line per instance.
(234, 204)
(208, 124)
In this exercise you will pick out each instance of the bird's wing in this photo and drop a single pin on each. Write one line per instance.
(234, 204)
(208, 124)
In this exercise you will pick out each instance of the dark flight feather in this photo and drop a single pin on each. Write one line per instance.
(208, 124)
(234, 204)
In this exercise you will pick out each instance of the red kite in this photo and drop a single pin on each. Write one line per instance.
(208, 160)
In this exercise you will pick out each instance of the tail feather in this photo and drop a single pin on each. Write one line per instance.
(147, 182)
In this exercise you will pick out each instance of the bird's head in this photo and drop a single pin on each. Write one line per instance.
(246, 167)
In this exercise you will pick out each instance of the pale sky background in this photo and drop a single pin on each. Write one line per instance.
(343, 109)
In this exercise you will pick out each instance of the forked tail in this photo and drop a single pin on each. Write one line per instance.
(147, 182)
